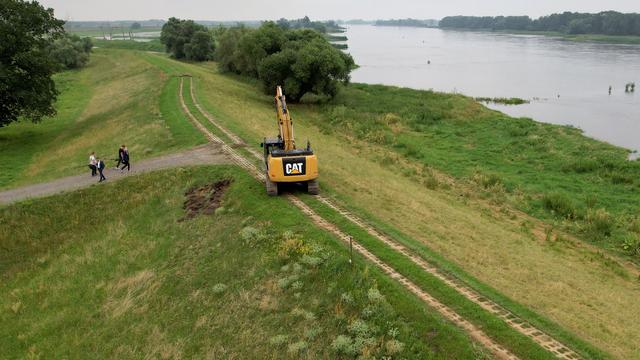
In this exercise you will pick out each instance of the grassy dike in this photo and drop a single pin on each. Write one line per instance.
(569, 284)
(516, 342)
(118, 98)
(124, 278)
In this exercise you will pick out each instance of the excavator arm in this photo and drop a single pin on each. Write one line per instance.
(284, 121)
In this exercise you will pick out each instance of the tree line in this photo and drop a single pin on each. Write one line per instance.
(407, 22)
(606, 23)
(301, 60)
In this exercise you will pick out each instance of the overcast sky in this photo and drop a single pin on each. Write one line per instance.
(320, 9)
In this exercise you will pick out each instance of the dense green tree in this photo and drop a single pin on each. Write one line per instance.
(306, 67)
(256, 45)
(27, 31)
(136, 26)
(177, 33)
(301, 60)
(70, 51)
(227, 48)
(200, 47)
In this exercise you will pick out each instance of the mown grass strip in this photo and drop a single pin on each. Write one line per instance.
(518, 343)
(582, 347)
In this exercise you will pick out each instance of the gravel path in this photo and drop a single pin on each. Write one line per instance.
(201, 155)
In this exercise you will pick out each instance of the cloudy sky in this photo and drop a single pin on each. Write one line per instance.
(320, 9)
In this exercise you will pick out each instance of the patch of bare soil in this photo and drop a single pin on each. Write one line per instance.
(204, 199)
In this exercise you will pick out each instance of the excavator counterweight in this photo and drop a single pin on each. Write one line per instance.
(284, 162)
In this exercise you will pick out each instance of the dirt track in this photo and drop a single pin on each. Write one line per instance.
(201, 155)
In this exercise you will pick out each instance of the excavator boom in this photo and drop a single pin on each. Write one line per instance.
(284, 121)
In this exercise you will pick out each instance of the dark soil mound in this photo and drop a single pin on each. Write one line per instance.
(204, 199)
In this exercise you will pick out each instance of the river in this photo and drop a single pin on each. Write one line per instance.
(567, 82)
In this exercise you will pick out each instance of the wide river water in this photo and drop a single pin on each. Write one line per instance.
(567, 82)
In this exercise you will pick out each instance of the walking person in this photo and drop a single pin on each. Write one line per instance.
(92, 163)
(120, 156)
(100, 166)
(125, 159)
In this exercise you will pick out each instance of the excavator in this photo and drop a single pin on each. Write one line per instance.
(285, 163)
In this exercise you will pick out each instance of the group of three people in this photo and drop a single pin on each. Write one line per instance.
(97, 165)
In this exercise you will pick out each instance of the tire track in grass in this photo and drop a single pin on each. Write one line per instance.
(474, 332)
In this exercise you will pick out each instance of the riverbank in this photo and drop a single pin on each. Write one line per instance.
(551, 172)
(596, 38)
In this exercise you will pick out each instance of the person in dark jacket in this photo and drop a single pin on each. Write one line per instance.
(100, 166)
(125, 159)
(120, 155)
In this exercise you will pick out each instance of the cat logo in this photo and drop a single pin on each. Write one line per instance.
(294, 166)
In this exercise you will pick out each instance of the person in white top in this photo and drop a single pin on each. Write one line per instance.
(93, 163)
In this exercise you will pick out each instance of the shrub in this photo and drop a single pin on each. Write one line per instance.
(375, 296)
(252, 236)
(487, 181)
(393, 347)
(631, 245)
(559, 205)
(360, 328)
(307, 315)
(71, 52)
(219, 288)
(287, 281)
(292, 246)
(582, 166)
(347, 298)
(599, 223)
(344, 345)
(278, 340)
(297, 348)
(311, 261)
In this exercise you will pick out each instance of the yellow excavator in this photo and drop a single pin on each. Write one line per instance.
(285, 163)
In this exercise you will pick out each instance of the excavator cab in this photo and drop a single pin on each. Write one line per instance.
(285, 163)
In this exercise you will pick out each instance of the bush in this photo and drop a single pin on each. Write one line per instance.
(219, 288)
(393, 347)
(559, 205)
(252, 236)
(375, 296)
(344, 345)
(631, 245)
(599, 223)
(71, 52)
(297, 348)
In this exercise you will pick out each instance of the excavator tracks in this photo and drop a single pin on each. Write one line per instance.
(544, 340)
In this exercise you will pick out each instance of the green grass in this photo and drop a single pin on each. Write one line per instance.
(153, 45)
(517, 343)
(93, 32)
(124, 278)
(503, 250)
(118, 98)
(453, 134)
(21, 142)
